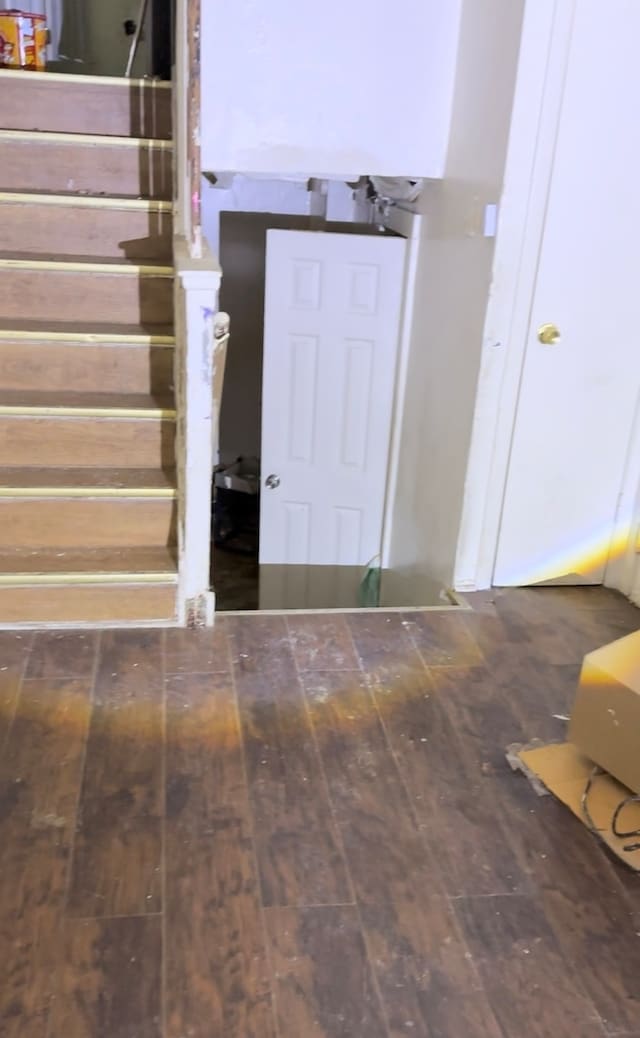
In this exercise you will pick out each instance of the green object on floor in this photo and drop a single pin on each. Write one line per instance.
(369, 590)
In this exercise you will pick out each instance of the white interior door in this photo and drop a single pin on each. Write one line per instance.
(578, 397)
(332, 322)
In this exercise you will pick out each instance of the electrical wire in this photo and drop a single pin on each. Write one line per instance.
(584, 802)
(632, 832)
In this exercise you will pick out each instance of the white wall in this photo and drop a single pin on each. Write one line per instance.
(340, 88)
(452, 290)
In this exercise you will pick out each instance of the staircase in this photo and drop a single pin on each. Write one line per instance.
(87, 466)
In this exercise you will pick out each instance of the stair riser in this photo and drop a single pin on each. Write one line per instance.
(54, 295)
(70, 367)
(87, 442)
(143, 171)
(88, 522)
(94, 604)
(67, 230)
(117, 109)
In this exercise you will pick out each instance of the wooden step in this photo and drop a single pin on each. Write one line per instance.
(64, 522)
(124, 229)
(122, 293)
(96, 604)
(63, 508)
(86, 431)
(76, 359)
(85, 104)
(88, 164)
(79, 586)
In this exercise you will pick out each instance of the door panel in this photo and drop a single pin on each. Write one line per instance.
(332, 317)
(578, 397)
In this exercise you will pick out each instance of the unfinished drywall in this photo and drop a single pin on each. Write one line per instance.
(342, 88)
(261, 194)
(240, 193)
(452, 288)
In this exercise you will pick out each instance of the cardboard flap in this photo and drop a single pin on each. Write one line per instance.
(565, 772)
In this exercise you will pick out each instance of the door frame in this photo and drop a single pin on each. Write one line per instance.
(409, 225)
(542, 70)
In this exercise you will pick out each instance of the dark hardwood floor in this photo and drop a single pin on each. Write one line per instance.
(305, 827)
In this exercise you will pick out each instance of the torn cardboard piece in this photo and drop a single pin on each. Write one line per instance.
(565, 772)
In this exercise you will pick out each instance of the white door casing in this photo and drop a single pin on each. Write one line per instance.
(538, 104)
(578, 398)
(332, 322)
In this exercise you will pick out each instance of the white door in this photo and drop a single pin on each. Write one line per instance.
(578, 397)
(332, 322)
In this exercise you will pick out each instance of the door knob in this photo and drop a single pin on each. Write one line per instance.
(272, 482)
(548, 335)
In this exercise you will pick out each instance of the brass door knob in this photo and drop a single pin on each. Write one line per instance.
(548, 335)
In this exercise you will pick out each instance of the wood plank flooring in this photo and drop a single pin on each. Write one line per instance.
(305, 827)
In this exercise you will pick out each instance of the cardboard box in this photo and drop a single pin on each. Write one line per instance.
(242, 476)
(605, 723)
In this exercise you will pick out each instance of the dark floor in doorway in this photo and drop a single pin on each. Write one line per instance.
(235, 581)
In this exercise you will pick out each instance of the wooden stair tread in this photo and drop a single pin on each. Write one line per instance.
(89, 479)
(74, 332)
(105, 561)
(82, 104)
(85, 401)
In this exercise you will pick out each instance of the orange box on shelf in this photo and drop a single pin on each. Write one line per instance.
(23, 40)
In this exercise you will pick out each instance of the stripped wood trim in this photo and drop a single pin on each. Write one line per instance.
(83, 338)
(193, 127)
(51, 411)
(80, 267)
(62, 78)
(85, 201)
(102, 140)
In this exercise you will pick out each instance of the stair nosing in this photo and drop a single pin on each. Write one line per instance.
(143, 270)
(68, 411)
(98, 139)
(13, 493)
(71, 578)
(8, 335)
(85, 201)
(63, 77)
